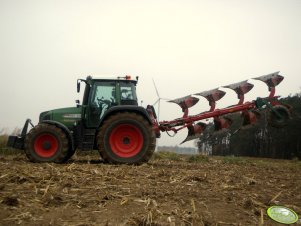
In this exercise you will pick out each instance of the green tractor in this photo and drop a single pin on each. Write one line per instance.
(108, 120)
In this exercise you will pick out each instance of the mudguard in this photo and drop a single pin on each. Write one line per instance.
(130, 108)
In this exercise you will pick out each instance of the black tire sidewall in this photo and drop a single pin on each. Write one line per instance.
(136, 158)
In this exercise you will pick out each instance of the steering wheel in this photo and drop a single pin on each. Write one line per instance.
(102, 101)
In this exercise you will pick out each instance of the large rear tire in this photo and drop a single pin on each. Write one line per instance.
(47, 143)
(126, 138)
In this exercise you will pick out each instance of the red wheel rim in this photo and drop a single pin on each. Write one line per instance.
(126, 140)
(46, 145)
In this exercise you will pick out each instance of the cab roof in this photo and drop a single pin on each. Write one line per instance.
(119, 78)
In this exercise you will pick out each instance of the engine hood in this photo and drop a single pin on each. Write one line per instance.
(67, 116)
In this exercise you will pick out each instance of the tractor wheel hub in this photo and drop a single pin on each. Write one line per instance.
(126, 140)
(46, 145)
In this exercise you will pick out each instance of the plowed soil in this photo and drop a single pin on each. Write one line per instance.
(174, 190)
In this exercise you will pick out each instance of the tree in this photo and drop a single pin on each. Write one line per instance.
(261, 139)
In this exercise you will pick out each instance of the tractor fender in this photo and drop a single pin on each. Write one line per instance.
(64, 128)
(126, 108)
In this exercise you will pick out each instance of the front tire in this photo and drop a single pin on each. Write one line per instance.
(47, 143)
(126, 138)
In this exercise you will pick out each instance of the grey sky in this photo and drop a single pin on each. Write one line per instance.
(186, 46)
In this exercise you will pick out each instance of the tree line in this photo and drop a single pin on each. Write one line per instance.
(259, 140)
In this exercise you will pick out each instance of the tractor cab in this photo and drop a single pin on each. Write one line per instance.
(101, 94)
(109, 92)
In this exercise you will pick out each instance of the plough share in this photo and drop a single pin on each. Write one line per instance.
(250, 111)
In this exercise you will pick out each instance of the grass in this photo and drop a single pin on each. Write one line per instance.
(198, 158)
(235, 160)
(228, 160)
(166, 155)
(179, 157)
(4, 150)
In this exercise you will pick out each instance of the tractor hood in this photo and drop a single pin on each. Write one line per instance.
(67, 116)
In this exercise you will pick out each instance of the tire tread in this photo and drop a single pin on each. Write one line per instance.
(129, 116)
(43, 127)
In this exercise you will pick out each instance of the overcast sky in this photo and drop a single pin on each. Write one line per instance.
(185, 46)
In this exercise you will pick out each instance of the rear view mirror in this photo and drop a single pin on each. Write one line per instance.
(78, 86)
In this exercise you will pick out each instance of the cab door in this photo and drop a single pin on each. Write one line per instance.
(102, 97)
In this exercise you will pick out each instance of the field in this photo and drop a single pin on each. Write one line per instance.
(169, 190)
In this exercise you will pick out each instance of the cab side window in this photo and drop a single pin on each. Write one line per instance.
(128, 93)
(127, 90)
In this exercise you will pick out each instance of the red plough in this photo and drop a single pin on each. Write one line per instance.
(250, 111)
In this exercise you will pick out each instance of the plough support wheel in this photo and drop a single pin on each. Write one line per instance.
(279, 116)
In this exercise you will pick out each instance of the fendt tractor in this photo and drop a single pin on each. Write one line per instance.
(110, 120)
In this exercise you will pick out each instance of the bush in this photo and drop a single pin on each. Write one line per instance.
(4, 150)
(3, 141)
